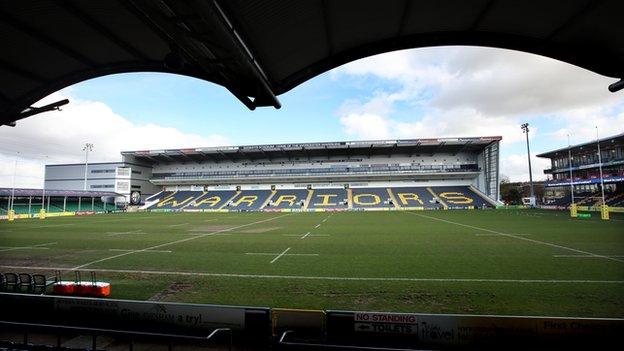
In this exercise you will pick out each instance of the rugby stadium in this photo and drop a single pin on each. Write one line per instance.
(362, 245)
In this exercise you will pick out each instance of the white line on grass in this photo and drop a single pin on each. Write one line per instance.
(299, 277)
(585, 256)
(177, 225)
(177, 241)
(13, 248)
(518, 237)
(156, 251)
(138, 231)
(273, 254)
(47, 244)
(305, 235)
(318, 225)
(309, 236)
(280, 255)
(35, 247)
(55, 225)
(491, 234)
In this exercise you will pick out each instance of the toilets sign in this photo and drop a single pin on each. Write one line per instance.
(386, 323)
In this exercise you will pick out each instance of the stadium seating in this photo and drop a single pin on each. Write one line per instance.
(329, 199)
(458, 197)
(616, 200)
(288, 199)
(371, 198)
(410, 197)
(249, 200)
(211, 200)
(159, 196)
(177, 200)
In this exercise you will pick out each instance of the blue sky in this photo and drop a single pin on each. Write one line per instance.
(431, 92)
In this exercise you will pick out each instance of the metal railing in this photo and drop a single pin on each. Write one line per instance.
(283, 343)
(129, 335)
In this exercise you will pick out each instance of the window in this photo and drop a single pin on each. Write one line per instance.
(102, 171)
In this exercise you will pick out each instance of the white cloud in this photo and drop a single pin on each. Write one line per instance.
(468, 91)
(516, 167)
(476, 90)
(58, 137)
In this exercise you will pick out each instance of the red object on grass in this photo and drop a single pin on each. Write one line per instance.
(84, 289)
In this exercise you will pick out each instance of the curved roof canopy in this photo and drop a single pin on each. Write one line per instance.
(259, 49)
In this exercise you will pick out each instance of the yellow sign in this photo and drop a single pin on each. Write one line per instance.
(573, 211)
(604, 212)
(11, 215)
(42, 214)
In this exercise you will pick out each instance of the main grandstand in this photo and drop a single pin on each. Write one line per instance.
(351, 175)
(582, 178)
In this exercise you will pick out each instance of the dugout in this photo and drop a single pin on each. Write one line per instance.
(27, 203)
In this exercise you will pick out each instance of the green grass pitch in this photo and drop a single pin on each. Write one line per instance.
(513, 262)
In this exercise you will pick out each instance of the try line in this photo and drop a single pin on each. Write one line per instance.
(519, 237)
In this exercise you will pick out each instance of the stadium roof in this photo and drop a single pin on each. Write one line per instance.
(308, 150)
(258, 49)
(38, 192)
(590, 145)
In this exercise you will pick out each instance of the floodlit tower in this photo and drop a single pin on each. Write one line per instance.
(88, 147)
(525, 130)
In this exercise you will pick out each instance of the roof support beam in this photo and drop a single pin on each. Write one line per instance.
(266, 95)
(34, 33)
(100, 28)
(327, 26)
(484, 11)
(407, 6)
(435, 151)
(462, 148)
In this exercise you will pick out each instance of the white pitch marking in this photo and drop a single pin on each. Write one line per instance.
(586, 256)
(176, 242)
(138, 231)
(47, 244)
(157, 251)
(491, 234)
(13, 248)
(305, 235)
(177, 225)
(318, 225)
(55, 225)
(280, 255)
(32, 247)
(300, 277)
(519, 237)
(309, 236)
(273, 254)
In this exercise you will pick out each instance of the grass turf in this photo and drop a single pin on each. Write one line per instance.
(483, 262)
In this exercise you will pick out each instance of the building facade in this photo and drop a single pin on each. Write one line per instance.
(577, 171)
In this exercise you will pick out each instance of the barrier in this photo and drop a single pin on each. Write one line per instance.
(250, 324)
(313, 329)
(412, 330)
